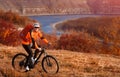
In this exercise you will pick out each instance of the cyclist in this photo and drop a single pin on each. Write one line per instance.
(30, 43)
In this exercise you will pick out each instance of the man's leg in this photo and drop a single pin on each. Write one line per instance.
(36, 53)
(29, 51)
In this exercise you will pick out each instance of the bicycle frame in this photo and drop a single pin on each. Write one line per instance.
(40, 54)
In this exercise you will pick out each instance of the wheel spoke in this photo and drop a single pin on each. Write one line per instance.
(50, 65)
(18, 62)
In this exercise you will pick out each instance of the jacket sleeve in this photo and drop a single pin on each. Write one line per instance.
(42, 38)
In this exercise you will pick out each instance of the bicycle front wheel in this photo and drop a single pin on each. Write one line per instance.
(19, 61)
(50, 64)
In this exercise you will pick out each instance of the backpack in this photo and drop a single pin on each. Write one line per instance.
(24, 32)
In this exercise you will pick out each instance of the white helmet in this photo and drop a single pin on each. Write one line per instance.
(36, 25)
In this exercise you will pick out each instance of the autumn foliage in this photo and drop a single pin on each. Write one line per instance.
(77, 42)
(105, 28)
(94, 34)
(8, 34)
(15, 18)
(9, 24)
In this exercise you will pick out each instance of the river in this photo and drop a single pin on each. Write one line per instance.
(47, 21)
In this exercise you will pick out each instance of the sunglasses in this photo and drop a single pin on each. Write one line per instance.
(36, 27)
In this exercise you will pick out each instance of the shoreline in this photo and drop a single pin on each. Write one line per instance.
(61, 22)
(58, 32)
(67, 14)
(55, 24)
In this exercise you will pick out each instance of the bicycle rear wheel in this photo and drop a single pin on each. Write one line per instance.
(18, 62)
(50, 65)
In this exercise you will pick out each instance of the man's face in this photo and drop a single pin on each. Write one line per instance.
(36, 29)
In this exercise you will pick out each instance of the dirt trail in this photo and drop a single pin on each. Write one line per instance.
(72, 64)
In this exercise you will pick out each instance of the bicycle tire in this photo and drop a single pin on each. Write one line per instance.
(18, 62)
(50, 69)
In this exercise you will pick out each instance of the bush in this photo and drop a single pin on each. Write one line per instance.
(99, 35)
(105, 28)
(9, 34)
(80, 41)
(15, 18)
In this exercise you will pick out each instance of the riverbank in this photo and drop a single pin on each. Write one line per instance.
(53, 14)
(67, 14)
(54, 26)
(61, 22)
(84, 21)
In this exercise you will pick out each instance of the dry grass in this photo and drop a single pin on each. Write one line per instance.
(72, 64)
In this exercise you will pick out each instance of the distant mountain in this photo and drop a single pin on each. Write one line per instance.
(7, 5)
(104, 6)
(42, 7)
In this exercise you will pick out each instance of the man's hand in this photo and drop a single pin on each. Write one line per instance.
(39, 49)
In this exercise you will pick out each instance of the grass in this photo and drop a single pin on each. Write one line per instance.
(72, 64)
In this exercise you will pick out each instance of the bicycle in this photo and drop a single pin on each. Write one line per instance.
(49, 63)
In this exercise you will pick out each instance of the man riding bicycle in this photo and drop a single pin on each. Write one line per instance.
(30, 42)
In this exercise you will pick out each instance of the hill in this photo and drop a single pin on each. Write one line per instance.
(52, 7)
(72, 64)
(33, 7)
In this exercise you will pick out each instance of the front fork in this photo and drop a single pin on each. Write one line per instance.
(47, 60)
(45, 54)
